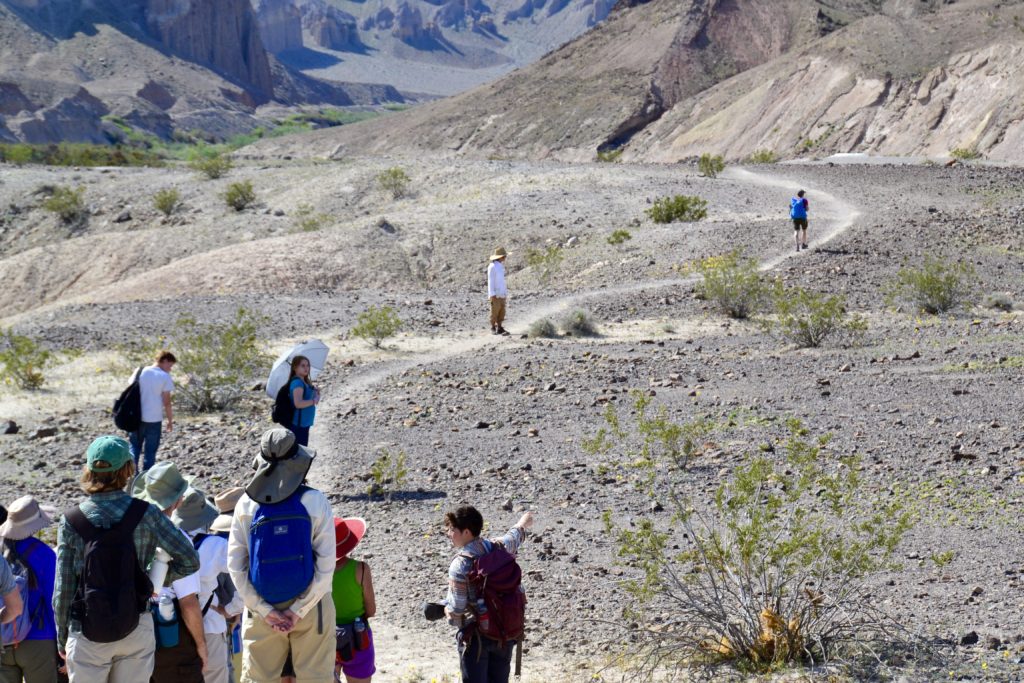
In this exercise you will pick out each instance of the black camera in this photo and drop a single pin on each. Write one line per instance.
(433, 611)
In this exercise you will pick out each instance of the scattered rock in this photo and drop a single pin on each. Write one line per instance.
(970, 638)
(9, 427)
(43, 432)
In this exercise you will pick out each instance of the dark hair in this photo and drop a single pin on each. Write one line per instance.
(161, 356)
(465, 517)
(12, 556)
(800, 193)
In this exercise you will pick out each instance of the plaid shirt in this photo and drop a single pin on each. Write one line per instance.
(462, 596)
(103, 510)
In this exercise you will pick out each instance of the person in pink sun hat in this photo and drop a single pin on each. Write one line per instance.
(354, 604)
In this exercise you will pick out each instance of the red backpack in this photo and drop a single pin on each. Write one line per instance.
(498, 580)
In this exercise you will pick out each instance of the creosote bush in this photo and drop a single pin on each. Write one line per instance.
(394, 181)
(680, 208)
(22, 362)
(308, 220)
(374, 325)
(68, 203)
(240, 195)
(210, 164)
(166, 201)
(544, 262)
(619, 237)
(763, 156)
(387, 473)
(734, 285)
(936, 287)
(579, 323)
(543, 328)
(807, 318)
(965, 153)
(609, 156)
(710, 165)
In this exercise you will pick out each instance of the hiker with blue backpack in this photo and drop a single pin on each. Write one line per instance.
(798, 207)
(30, 642)
(281, 560)
(485, 598)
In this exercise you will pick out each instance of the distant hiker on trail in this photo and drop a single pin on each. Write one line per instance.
(33, 656)
(354, 604)
(497, 291)
(181, 648)
(155, 387)
(305, 398)
(101, 594)
(281, 559)
(798, 207)
(490, 623)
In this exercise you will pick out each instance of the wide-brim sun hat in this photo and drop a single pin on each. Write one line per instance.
(162, 485)
(226, 502)
(281, 467)
(195, 512)
(26, 516)
(221, 524)
(347, 534)
(499, 253)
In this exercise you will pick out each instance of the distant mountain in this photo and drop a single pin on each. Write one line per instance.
(665, 80)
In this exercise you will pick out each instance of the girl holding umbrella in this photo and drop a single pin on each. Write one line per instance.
(305, 398)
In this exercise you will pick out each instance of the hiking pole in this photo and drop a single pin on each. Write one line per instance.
(519, 659)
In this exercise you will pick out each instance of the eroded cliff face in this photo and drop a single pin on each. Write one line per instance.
(329, 27)
(280, 25)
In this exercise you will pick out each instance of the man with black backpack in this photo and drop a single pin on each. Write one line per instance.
(101, 594)
(485, 598)
(281, 559)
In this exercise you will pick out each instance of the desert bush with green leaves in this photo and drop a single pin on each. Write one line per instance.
(388, 473)
(936, 287)
(678, 209)
(807, 318)
(209, 163)
(609, 156)
(22, 361)
(618, 237)
(965, 153)
(734, 285)
(710, 165)
(240, 195)
(544, 262)
(543, 328)
(166, 201)
(68, 203)
(394, 181)
(376, 324)
(579, 323)
(763, 156)
(307, 219)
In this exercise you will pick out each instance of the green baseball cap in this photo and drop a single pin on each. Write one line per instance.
(112, 450)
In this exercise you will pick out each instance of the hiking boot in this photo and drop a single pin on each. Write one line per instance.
(494, 330)
(805, 245)
(502, 331)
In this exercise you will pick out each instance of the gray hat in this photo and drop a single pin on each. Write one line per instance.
(25, 517)
(195, 512)
(280, 467)
(162, 485)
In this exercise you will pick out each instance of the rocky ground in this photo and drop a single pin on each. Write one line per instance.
(929, 403)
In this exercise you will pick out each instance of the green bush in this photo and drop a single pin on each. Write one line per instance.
(219, 360)
(544, 261)
(79, 154)
(542, 328)
(998, 302)
(680, 208)
(807, 319)
(210, 164)
(166, 201)
(18, 155)
(307, 220)
(240, 195)
(935, 287)
(763, 156)
(619, 237)
(734, 285)
(579, 323)
(68, 203)
(388, 472)
(710, 165)
(609, 156)
(22, 361)
(965, 153)
(374, 325)
(394, 181)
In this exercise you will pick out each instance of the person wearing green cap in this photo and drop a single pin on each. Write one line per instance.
(116, 652)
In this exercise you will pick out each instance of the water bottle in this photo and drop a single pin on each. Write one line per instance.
(362, 636)
(158, 569)
(165, 606)
(483, 620)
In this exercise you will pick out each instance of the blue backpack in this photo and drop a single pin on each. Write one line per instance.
(797, 208)
(281, 550)
(16, 631)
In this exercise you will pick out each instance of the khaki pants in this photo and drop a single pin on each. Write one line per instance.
(129, 660)
(497, 311)
(312, 643)
(216, 659)
(35, 660)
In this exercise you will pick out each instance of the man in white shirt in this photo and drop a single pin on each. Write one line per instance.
(497, 292)
(288, 604)
(155, 387)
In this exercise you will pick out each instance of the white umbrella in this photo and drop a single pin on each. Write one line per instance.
(314, 349)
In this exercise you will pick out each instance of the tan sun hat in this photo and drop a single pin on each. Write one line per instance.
(226, 502)
(26, 516)
(499, 253)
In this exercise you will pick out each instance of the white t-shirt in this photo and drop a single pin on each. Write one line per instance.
(213, 560)
(152, 384)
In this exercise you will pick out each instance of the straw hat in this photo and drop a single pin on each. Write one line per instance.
(162, 485)
(226, 502)
(347, 534)
(281, 467)
(26, 516)
(195, 512)
(499, 253)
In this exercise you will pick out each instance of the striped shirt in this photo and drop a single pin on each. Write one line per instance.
(462, 594)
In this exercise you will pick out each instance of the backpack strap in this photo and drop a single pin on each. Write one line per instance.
(198, 539)
(206, 607)
(86, 529)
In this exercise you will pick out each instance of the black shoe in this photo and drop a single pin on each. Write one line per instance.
(502, 330)
(805, 245)
(494, 330)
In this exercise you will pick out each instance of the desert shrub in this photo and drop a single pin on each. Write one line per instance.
(79, 154)
(710, 165)
(68, 203)
(935, 287)
(680, 208)
(240, 195)
(609, 156)
(17, 154)
(394, 181)
(763, 156)
(166, 201)
(218, 360)
(999, 302)
(544, 261)
(374, 325)
(807, 318)
(542, 328)
(210, 164)
(965, 153)
(308, 220)
(387, 473)
(579, 323)
(619, 237)
(22, 362)
(769, 572)
(734, 285)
